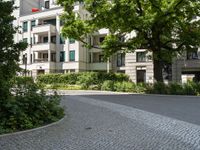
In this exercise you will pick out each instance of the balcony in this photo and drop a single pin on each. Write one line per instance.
(99, 66)
(42, 65)
(44, 28)
(43, 47)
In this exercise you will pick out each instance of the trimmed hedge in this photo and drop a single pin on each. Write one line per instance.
(84, 78)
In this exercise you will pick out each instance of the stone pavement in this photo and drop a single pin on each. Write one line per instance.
(97, 125)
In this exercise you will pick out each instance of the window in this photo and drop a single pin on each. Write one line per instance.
(45, 40)
(24, 59)
(62, 56)
(71, 40)
(120, 59)
(25, 40)
(53, 57)
(32, 24)
(62, 40)
(101, 39)
(50, 21)
(141, 56)
(46, 4)
(62, 22)
(72, 55)
(25, 26)
(192, 55)
(101, 58)
(53, 39)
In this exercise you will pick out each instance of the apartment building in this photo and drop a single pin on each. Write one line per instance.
(49, 52)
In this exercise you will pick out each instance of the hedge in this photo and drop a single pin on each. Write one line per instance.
(84, 78)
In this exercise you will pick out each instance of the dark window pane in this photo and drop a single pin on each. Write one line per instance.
(62, 40)
(62, 56)
(72, 55)
(141, 56)
(32, 24)
(25, 40)
(71, 40)
(46, 5)
(45, 40)
(25, 26)
(120, 59)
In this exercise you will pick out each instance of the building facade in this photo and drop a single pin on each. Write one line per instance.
(49, 52)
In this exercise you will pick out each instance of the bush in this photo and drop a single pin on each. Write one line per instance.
(158, 88)
(190, 88)
(108, 86)
(176, 89)
(124, 86)
(28, 107)
(84, 78)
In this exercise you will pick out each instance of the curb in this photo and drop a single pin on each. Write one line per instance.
(31, 130)
(61, 92)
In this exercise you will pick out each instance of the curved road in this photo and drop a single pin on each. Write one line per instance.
(100, 121)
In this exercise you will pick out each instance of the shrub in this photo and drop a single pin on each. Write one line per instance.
(176, 89)
(108, 86)
(158, 88)
(86, 79)
(28, 107)
(189, 88)
(140, 88)
(124, 86)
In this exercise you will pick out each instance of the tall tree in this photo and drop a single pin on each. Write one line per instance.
(164, 27)
(9, 51)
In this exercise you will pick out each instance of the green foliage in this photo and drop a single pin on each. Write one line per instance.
(85, 79)
(108, 85)
(28, 107)
(159, 25)
(124, 86)
(176, 89)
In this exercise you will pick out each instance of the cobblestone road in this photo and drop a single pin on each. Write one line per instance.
(97, 125)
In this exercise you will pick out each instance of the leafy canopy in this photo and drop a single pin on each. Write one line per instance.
(162, 26)
(9, 51)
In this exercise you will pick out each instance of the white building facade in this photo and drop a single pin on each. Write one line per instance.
(48, 52)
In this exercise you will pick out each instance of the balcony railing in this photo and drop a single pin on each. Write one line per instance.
(40, 60)
(41, 28)
(43, 46)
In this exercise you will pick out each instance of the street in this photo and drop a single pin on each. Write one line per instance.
(99, 121)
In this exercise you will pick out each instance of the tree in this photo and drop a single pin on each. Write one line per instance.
(164, 27)
(9, 51)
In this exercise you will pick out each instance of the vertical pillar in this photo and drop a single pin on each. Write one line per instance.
(29, 41)
(49, 37)
(49, 41)
(49, 55)
(108, 66)
(58, 47)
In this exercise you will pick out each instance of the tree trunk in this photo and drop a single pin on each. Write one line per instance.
(158, 69)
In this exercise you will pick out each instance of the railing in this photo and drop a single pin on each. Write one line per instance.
(41, 60)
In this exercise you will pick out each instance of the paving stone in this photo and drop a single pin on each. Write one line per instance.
(97, 125)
